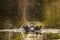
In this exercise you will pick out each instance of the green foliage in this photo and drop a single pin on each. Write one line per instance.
(2, 36)
(47, 21)
(18, 38)
(19, 23)
(55, 36)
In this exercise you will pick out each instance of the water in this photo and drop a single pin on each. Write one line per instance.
(25, 2)
(23, 10)
(27, 15)
(28, 36)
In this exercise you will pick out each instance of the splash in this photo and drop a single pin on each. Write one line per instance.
(25, 4)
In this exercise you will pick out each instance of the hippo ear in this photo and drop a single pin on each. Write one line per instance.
(41, 26)
(36, 26)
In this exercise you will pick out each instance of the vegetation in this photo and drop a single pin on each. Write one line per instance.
(53, 36)
(18, 37)
(37, 10)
